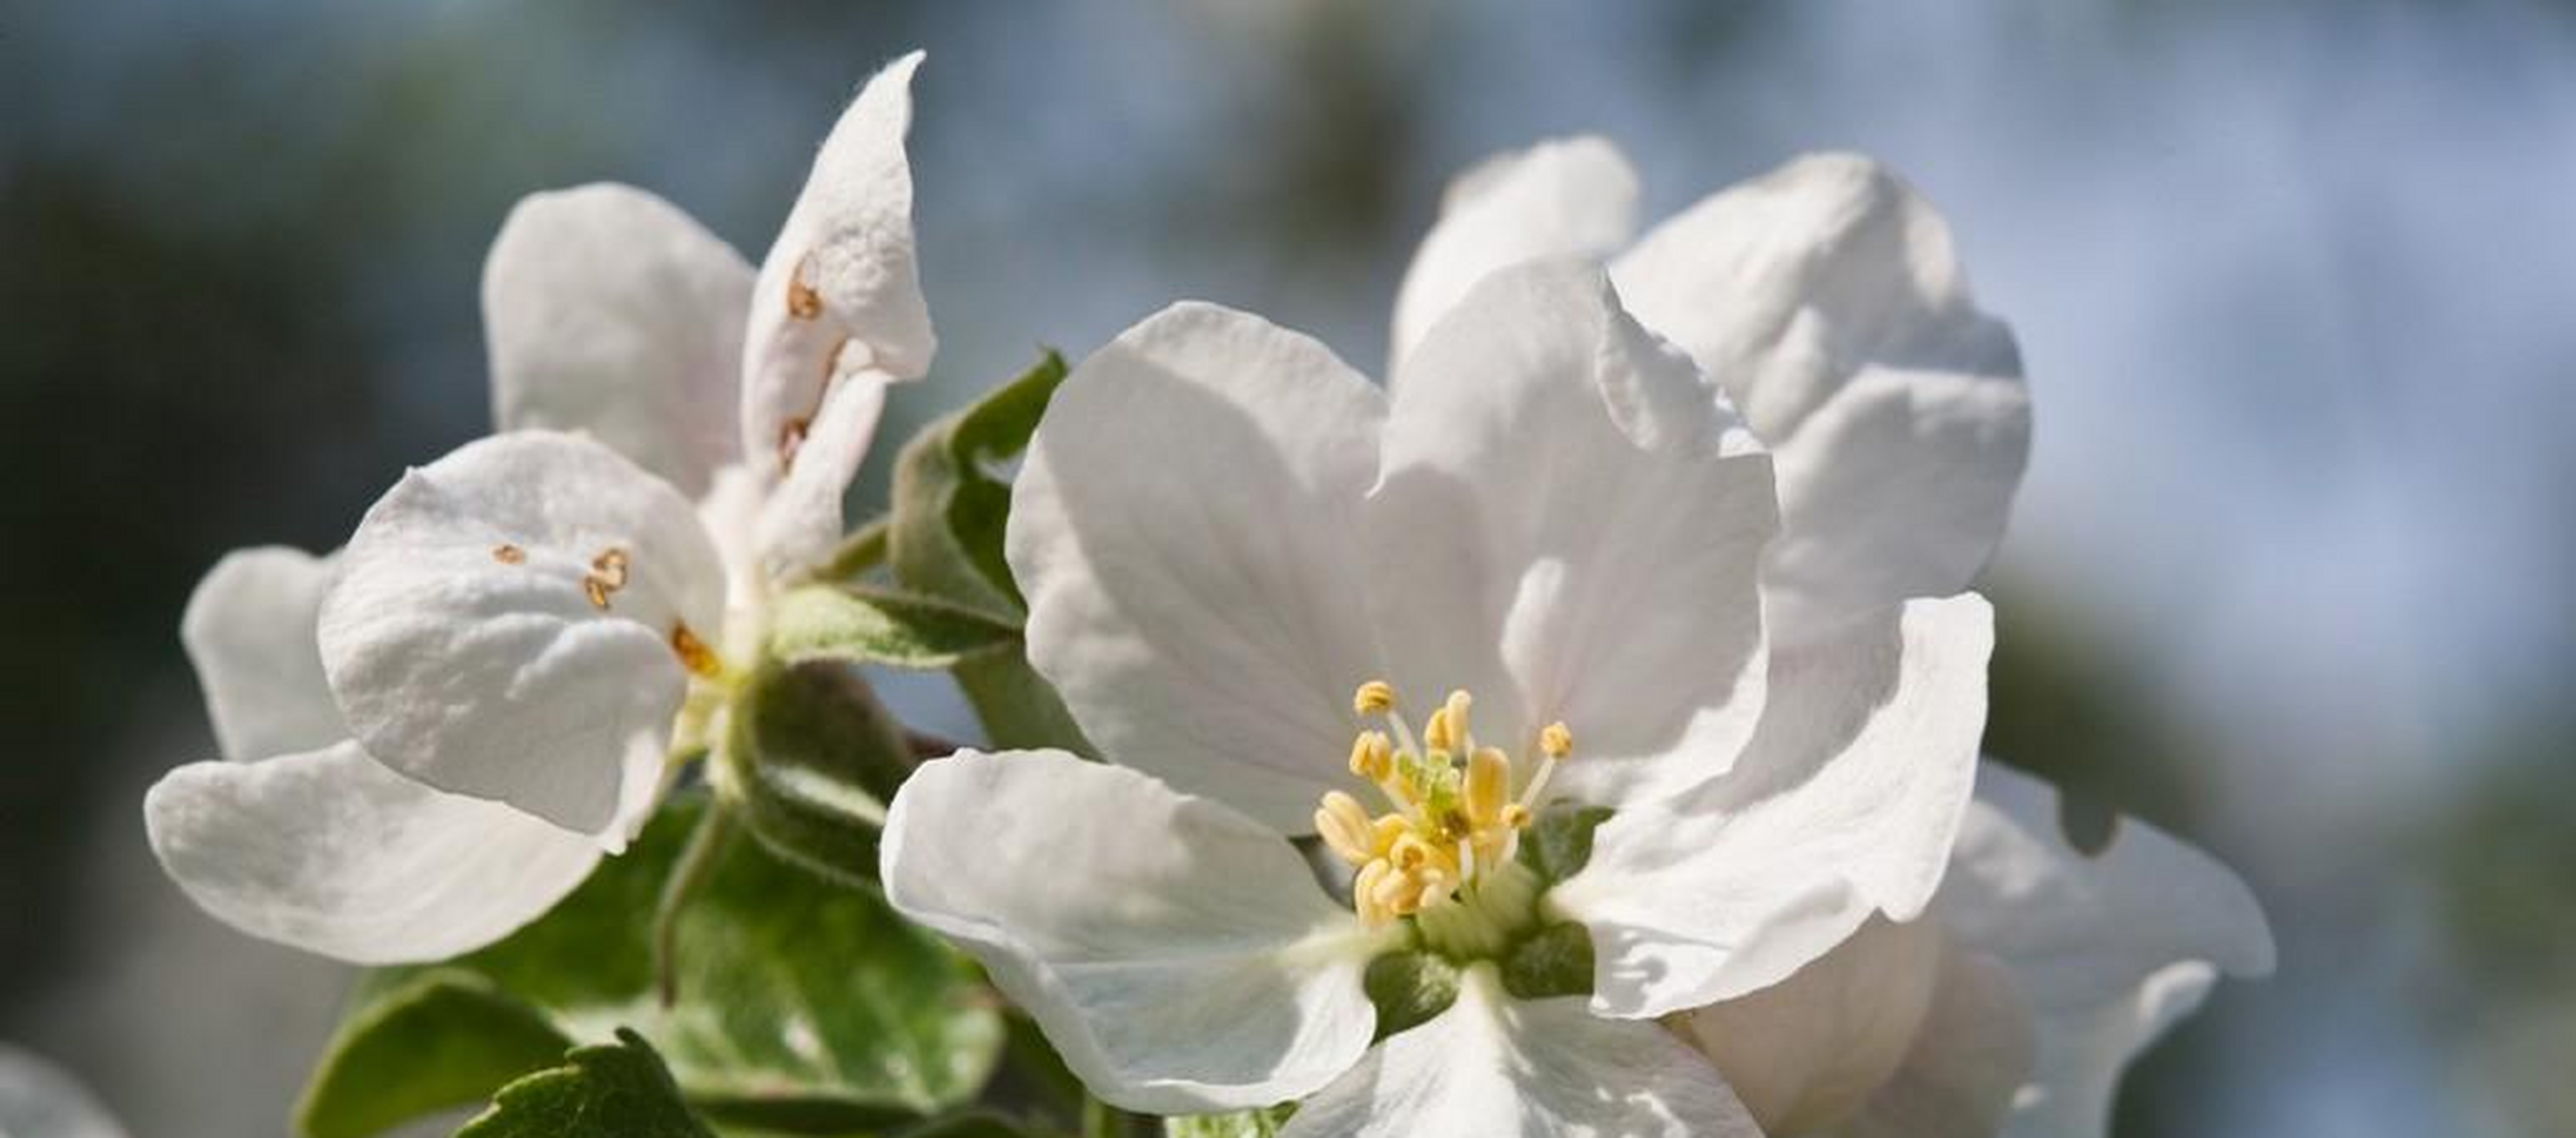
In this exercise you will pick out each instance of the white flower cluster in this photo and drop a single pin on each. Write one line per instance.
(1613, 654)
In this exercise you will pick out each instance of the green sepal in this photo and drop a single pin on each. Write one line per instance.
(798, 1000)
(863, 625)
(605, 1090)
(809, 760)
(951, 508)
(1265, 1122)
(422, 1043)
(1409, 987)
(1554, 961)
(860, 553)
(1559, 841)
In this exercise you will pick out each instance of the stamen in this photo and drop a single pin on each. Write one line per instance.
(607, 575)
(1346, 827)
(508, 554)
(803, 302)
(1364, 894)
(693, 653)
(1454, 825)
(1447, 730)
(1555, 741)
(1373, 756)
(1489, 784)
(1375, 697)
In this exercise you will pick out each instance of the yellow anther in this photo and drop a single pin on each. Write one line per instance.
(1411, 852)
(1447, 730)
(1365, 890)
(1346, 827)
(1384, 832)
(803, 302)
(1489, 785)
(1373, 756)
(1556, 740)
(693, 653)
(1515, 815)
(607, 575)
(1375, 697)
(610, 565)
(508, 554)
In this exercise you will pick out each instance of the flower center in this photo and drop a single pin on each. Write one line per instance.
(1443, 850)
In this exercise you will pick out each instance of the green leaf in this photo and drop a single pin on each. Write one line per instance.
(810, 758)
(606, 1090)
(950, 509)
(1409, 988)
(1559, 841)
(798, 999)
(1554, 961)
(1263, 1123)
(881, 626)
(438, 1039)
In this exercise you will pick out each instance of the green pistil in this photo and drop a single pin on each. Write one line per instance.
(1486, 917)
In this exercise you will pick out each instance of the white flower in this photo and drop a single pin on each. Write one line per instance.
(429, 739)
(1223, 532)
(2014, 1007)
(1825, 297)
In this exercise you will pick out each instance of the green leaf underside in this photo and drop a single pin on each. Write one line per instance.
(945, 542)
(810, 759)
(434, 1040)
(799, 1000)
(882, 626)
(606, 1090)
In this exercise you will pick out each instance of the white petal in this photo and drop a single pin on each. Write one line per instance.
(608, 310)
(800, 522)
(2108, 951)
(1812, 1049)
(1180, 955)
(1974, 1049)
(249, 632)
(331, 852)
(1493, 1067)
(1827, 299)
(472, 648)
(1567, 197)
(1186, 530)
(846, 250)
(1561, 527)
(1843, 805)
(40, 1100)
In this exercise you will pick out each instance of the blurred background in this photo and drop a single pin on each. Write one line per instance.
(2290, 574)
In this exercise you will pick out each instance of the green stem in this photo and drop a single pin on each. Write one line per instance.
(696, 861)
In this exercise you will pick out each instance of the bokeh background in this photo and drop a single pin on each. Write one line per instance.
(2296, 283)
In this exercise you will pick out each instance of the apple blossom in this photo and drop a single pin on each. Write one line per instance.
(1252, 576)
(484, 690)
(1825, 297)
